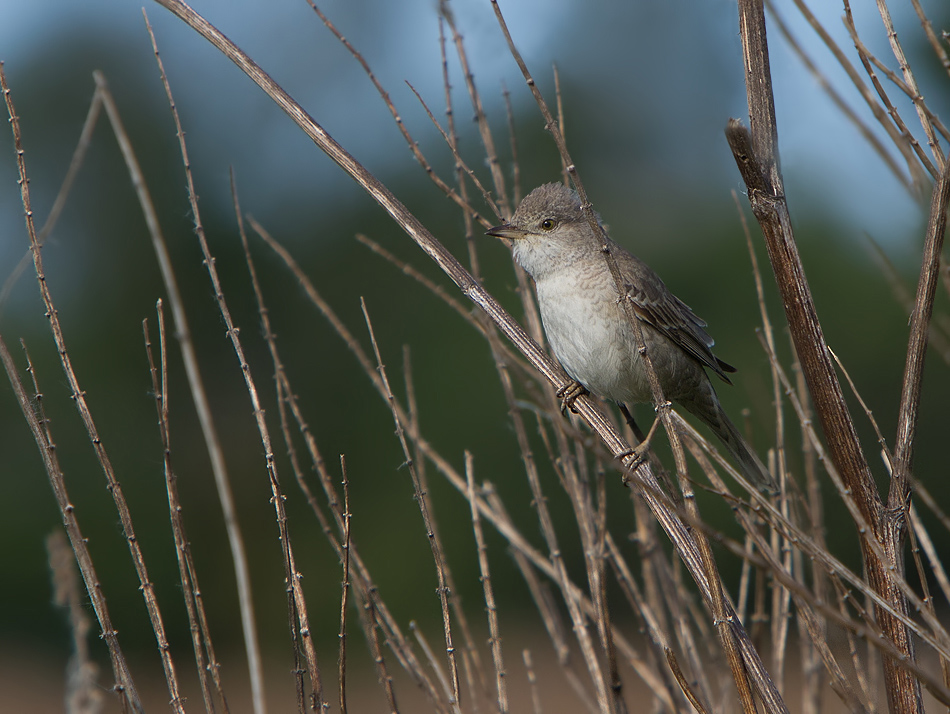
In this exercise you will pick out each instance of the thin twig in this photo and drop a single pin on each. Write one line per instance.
(850, 114)
(373, 611)
(423, 501)
(42, 434)
(346, 582)
(299, 621)
(79, 398)
(296, 598)
(460, 169)
(661, 687)
(939, 337)
(491, 155)
(59, 203)
(197, 620)
(461, 201)
(532, 682)
(900, 141)
(885, 451)
(459, 161)
(513, 142)
(559, 105)
(199, 397)
(902, 85)
(866, 61)
(435, 664)
(911, 82)
(494, 638)
(932, 38)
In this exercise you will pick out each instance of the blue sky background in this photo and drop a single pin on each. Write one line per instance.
(672, 68)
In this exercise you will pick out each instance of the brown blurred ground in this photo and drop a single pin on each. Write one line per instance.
(31, 681)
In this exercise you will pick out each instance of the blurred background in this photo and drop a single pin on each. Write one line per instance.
(647, 89)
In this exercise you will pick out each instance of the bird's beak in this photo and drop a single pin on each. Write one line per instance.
(506, 231)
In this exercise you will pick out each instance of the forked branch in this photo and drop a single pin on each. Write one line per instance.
(756, 155)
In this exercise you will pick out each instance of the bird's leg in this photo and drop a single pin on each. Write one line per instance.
(632, 423)
(568, 394)
(640, 450)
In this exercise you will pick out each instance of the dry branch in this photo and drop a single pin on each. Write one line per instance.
(199, 394)
(79, 398)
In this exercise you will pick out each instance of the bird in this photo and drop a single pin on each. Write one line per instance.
(588, 330)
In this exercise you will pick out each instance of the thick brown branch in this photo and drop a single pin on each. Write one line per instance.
(770, 208)
(757, 158)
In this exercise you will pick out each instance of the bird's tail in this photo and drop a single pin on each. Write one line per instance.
(750, 464)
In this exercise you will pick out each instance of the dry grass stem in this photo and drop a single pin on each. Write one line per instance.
(900, 141)
(421, 491)
(296, 599)
(59, 203)
(494, 638)
(205, 658)
(461, 201)
(346, 583)
(198, 392)
(850, 114)
(42, 434)
(912, 90)
(79, 398)
(491, 155)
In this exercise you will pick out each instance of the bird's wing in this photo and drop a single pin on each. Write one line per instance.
(658, 307)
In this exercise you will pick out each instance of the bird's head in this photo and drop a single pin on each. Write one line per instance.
(548, 229)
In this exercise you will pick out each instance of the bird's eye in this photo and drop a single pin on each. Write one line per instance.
(547, 224)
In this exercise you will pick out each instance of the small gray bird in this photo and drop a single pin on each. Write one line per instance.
(589, 332)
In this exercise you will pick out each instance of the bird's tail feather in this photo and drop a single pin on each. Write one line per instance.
(750, 464)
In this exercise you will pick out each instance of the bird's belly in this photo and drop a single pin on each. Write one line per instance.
(595, 344)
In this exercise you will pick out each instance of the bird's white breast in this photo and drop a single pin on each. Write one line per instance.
(590, 335)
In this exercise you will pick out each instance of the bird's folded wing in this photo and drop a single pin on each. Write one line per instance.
(657, 306)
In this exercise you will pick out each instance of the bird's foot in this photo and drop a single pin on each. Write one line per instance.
(568, 394)
(632, 458)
